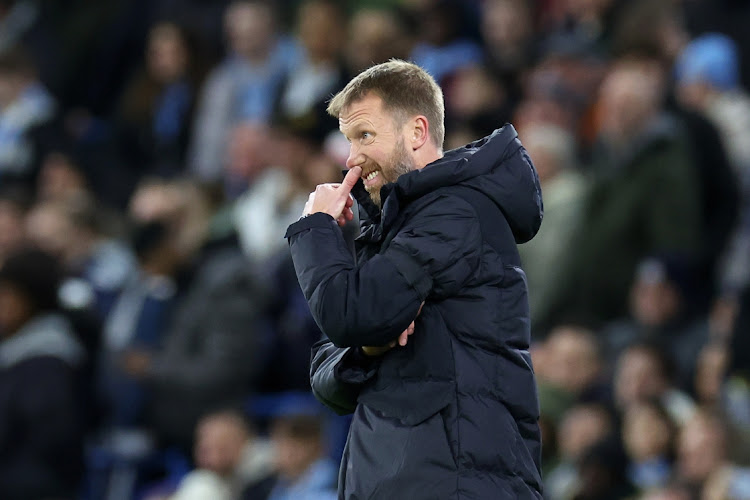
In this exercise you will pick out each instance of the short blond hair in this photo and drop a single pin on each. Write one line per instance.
(406, 90)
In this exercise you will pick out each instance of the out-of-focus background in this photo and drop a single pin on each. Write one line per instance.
(153, 340)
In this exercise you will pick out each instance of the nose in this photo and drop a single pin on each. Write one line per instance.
(356, 158)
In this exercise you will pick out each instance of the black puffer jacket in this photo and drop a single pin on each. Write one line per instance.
(453, 414)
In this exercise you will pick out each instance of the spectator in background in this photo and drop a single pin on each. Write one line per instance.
(582, 427)
(644, 197)
(248, 157)
(702, 448)
(155, 111)
(658, 30)
(711, 367)
(560, 90)
(648, 435)
(731, 482)
(60, 178)
(319, 72)
(660, 313)
(573, 369)
(278, 194)
(302, 470)
(507, 31)
(374, 36)
(25, 106)
(215, 347)
(137, 320)
(443, 46)
(475, 105)
(707, 72)
(243, 87)
(229, 458)
(97, 265)
(554, 152)
(602, 471)
(588, 22)
(40, 413)
(63, 179)
(643, 373)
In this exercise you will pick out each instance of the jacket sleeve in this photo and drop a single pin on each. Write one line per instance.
(435, 253)
(338, 374)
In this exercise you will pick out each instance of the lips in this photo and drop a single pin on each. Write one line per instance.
(370, 178)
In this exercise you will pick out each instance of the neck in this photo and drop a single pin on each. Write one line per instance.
(426, 156)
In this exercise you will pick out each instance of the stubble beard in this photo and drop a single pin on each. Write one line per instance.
(399, 163)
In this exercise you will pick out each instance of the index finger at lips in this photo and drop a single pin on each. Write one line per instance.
(352, 176)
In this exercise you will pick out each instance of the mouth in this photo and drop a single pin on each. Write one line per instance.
(370, 178)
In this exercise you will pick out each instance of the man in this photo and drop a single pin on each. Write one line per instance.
(450, 411)
(41, 365)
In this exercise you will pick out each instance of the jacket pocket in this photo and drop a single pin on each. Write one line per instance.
(390, 459)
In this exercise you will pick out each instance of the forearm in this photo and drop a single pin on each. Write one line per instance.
(337, 375)
(354, 306)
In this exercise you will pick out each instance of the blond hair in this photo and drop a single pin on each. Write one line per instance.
(406, 90)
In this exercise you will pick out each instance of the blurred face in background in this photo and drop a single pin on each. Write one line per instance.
(250, 29)
(48, 227)
(638, 377)
(551, 147)
(59, 178)
(573, 360)
(646, 432)
(629, 98)
(505, 24)
(319, 28)
(248, 151)
(167, 53)
(654, 302)
(710, 373)
(220, 441)
(581, 427)
(295, 451)
(374, 37)
(701, 448)
(474, 91)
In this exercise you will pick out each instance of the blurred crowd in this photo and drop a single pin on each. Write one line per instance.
(154, 343)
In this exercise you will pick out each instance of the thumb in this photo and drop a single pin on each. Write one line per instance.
(352, 176)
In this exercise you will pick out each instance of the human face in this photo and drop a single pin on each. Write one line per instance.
(377, 144)
(166, 54)
(219, 445)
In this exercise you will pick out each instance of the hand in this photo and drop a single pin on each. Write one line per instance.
(137, 363)
(402, 340)
(334, 199)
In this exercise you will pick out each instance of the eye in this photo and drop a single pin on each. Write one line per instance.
(366, 137)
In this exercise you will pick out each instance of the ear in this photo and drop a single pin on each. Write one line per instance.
(419, 132)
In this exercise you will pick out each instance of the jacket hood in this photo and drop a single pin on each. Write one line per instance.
(47, 335)
(496, 165)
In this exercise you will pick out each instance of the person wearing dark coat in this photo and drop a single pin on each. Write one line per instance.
(41, 420)
(428, 324)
